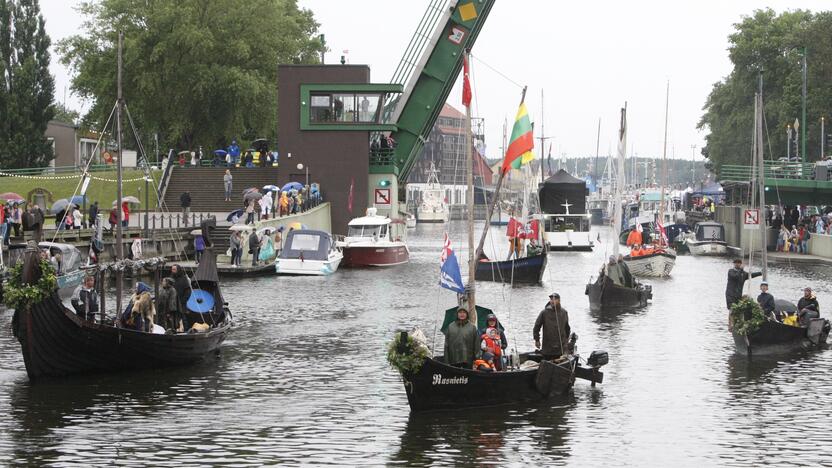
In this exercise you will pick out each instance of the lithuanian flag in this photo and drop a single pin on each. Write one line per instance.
(522, 141)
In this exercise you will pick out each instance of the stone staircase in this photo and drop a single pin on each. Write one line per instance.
(207, 190)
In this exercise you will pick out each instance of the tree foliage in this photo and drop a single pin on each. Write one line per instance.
(772, 44)
(26, 85)
(197, 72)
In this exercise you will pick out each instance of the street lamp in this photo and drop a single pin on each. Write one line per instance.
(300, 168)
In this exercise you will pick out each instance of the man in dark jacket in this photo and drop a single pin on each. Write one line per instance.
(167, 306)
(182, 285)
(93, 214)
(554, 320)
(185, 202)
(85, 299)
(736, 279)
(807, 307)
(765, 299)
(461, 341)
(254, 247)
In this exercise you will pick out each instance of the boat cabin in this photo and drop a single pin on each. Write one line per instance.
(307, 244)
(709, 231)
(375, 227)
(70, 256)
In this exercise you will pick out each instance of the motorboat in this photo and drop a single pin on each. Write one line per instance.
(67, 262)
(308, 252)
(566, 224)
(707, 238)
(567, 232)
(374, 240)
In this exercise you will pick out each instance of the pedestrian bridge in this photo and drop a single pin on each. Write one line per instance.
(787, 183)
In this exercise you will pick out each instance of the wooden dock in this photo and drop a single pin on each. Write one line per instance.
(227, 270)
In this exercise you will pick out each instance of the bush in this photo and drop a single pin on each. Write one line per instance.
(410, 361)
(746, 307)
(19, 294)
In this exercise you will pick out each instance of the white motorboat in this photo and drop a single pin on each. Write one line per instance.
(707, 238)
(308, 252)
(567, 232)
(375, 240)
(67, 262)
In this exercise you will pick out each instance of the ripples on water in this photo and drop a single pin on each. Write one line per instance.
(303, 379)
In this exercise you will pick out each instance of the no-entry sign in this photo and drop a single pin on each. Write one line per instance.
(382, 196)
(751, 219)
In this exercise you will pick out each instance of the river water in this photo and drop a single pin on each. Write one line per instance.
(303, 379)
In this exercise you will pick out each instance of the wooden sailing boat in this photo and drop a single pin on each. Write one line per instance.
(56, 342)
(773, 336)
(659, 259)
(604, 292)
(528, 269)
(437, 385)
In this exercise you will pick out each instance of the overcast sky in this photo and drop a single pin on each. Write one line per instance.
(587, 57)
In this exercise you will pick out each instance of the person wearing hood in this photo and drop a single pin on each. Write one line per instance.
(493, 339)
(554, 320)
(140, 313)
(167, 306)
(737, 277)
(266, 205)
(182, 284)
(625, 272)
(234, 153)
(461, 341)
(613, 271)
(807, 307)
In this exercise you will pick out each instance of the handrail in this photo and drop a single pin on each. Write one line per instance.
(163, 181)
(772, 170)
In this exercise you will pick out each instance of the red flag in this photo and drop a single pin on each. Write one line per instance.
(514, 228)
(349, 199)
(466, 84)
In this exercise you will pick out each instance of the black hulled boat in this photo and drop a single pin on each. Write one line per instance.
(524, 270)
(55, 342)
(774, 337)
(605, 294)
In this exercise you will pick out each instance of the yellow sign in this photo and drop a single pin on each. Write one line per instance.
(467, 12)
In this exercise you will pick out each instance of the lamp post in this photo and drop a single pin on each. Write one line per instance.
(797, 142)
(300, 168)
(803, 118)
(789, 142)
(822, 136)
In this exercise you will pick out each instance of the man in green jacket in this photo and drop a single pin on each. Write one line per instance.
(461, 341)
(554, 320)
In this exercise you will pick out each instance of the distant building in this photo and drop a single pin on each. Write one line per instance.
(446, 149)
(64, 140)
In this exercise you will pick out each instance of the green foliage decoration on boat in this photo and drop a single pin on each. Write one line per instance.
(413, 354)
(19, 295)
(746, 307)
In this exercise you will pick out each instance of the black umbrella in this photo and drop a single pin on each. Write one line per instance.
(234, 214)
(252, 196)
(261, 144)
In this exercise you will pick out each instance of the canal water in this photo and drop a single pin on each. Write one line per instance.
(303, 379)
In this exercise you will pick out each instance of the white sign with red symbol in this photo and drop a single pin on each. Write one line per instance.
(751, 219)
(382, 196)
(457, 35)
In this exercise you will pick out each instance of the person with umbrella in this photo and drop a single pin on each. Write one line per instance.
(266, 205)
(227, 180)
(77, 218)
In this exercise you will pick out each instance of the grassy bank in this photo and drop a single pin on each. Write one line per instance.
(102, 191)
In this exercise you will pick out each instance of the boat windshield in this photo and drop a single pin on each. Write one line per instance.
(709, 232)
(374, 230)
(305, 242)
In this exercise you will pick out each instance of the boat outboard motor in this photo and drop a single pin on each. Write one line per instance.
(597, 359)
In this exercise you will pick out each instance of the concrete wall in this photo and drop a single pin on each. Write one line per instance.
(735, 235)
(821, 245)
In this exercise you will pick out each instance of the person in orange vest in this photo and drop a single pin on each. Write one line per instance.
(492, 344)
(485, 363)
(634, 237)
(635, 251)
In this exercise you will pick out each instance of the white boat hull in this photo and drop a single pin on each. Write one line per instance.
(707, 248)
(569, 240)
(432, 216)
(295, 266)
(652, 266)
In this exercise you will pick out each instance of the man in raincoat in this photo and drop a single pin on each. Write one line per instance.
(461, 341)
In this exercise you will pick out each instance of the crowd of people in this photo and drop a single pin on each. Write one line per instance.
(484, 349)
(263, 246)
(795, 226)
(231, 156)
(16, 219)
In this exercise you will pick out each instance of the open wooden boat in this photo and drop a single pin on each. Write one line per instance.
(605, 294)
(439, 386)
(778, 338)
(55, 342)
(656, 265)
(524, 270)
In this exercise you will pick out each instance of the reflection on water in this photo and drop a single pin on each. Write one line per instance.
(303, 378)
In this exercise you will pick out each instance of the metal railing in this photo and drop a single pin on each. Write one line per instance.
(57, 170)
(772, 170)
(382, 157)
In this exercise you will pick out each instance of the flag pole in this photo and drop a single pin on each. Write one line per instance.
(494, 199)
(472, 259)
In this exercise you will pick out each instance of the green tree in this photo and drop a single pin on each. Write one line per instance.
(26, 88)
(65, 114)
(197, 72)
(770, 44)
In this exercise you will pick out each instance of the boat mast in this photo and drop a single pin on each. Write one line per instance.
(119, 194)
(761, 178)
(621, 179)
(664, 161)
(472, 256)
(597, 150)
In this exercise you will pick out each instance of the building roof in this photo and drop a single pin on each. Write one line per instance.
(451, 112)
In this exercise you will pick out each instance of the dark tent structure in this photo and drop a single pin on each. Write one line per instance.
(560, 189)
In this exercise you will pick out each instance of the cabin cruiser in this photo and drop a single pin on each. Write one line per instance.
(433, 208)
(67, 269)
(567, 232)
(308, 252)
(707, 238)
(374, 240)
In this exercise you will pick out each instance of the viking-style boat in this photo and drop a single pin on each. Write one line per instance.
(56, 342)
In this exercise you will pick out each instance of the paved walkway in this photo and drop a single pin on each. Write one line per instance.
(798, 259)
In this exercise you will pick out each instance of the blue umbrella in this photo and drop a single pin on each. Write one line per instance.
(78, 200)
(234, 214)
(292, 186)
(59, 205)
(271, 188)
(200, 301)
(220, 152)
